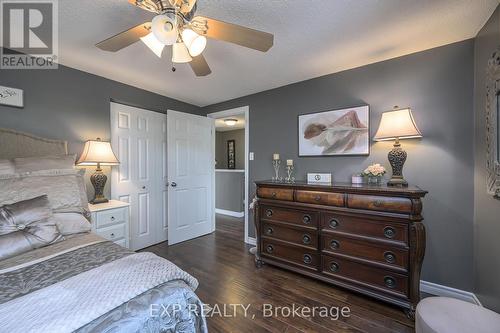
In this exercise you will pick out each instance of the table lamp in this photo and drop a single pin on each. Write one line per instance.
(396, 125)
(97, 152)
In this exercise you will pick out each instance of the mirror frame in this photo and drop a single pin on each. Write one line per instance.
(492, 124)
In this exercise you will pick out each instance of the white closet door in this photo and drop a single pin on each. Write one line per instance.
(138, 137)
(191, 175)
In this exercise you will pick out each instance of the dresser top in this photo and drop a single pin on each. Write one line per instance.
(348, 187)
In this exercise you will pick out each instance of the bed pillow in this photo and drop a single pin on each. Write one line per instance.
(7, 167)
(26, 225)
(51, 162)
(65, 189)
(71, 223)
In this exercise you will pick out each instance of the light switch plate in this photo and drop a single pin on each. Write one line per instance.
(251, 156)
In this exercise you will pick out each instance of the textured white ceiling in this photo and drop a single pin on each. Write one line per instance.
(312, 38)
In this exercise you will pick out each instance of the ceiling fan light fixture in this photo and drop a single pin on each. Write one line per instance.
(164, 28)
(154, 44)
(230, 122)
(194, 42)
(180, 54)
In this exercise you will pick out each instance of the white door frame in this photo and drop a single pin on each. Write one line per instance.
(233, 112)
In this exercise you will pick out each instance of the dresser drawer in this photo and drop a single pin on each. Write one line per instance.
(110, 217)
(275, 193)
(320, 198)
(305, 258)
(362, 274)
(298, 217)
(374, 202)
(391, 256)
(383, 230)
(298, 236)
(112, 233)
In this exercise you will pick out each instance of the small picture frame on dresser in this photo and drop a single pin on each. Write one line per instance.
(319, 178)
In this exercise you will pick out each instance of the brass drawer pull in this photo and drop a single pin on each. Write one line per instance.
(269, 231)
(390, 282)
(306, 239)
(378, 203)
(334, 267)
(334, 223)
(390, 257)
(306, 219)
(274, 194)
(307, 259)
(389, 232)
(317, 198)
(334, 244)
(269, 212)
(269, 249)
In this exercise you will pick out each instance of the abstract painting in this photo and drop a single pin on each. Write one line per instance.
(336, 132)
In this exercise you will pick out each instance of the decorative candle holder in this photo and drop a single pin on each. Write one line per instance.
(289, 171)
(276, 166)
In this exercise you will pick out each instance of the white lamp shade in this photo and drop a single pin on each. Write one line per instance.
(194, 42)
(97, 151)
(397, 124)
(154, 44)
(180, 53)
(164, 28)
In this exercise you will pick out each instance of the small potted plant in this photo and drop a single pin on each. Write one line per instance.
(374, 173)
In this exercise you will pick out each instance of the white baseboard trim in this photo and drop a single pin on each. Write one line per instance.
(251, 241)
(440, 290)
(229, 213)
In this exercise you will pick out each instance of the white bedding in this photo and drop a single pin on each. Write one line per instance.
(74, 302)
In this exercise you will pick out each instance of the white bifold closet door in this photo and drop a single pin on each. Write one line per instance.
(139, 139)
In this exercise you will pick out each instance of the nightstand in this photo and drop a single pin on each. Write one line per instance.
(110, 220)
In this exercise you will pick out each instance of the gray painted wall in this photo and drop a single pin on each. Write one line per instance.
(229, 190)
(221, 139)
(72, 105)
(487, 209)
(438, 85)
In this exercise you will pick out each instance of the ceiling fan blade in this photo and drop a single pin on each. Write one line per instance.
(200, 66)
(233, 33)
(125, 38)
(149, 5)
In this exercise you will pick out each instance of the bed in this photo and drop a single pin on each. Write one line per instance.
(82, 282)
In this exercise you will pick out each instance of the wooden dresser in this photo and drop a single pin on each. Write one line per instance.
(368, 239)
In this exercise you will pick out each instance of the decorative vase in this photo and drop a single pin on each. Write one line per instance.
(374, 180)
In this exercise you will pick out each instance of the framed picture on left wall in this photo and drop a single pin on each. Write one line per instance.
(11, 97)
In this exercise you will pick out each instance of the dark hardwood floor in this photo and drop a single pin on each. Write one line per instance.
(227, 275)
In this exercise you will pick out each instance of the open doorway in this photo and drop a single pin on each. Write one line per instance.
(231, 171)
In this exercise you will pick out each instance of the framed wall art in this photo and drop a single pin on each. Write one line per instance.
(231, 154)
(335, 133)
(11, 97)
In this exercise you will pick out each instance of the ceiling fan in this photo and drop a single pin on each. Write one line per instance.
(176, 24)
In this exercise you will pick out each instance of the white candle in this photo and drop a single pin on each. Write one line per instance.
(276, 157)
(289, 162)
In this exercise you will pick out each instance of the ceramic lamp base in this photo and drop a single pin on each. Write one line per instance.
(397, 157)
(98, 180)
